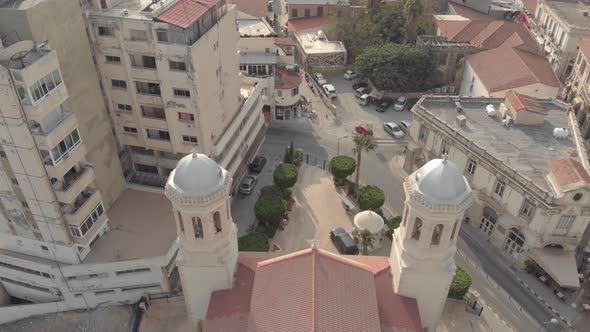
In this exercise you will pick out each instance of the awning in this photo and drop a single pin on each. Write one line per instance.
(560, 264)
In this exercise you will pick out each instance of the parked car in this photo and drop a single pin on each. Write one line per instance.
(330, 90)
(362, 91)
(257, 164)
(359, 84)
(364, 99)
(247, 185)
(383, 104)
(343, 242)
(320, 78)
(405, 126)
(350, 74)
(393, 129)
(400, 104)
(364, 129)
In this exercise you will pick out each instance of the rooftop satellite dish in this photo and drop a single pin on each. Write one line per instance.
(16, 51)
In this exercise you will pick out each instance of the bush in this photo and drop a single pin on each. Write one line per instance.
(530, 266)
(351, 188)
(270, 191)
(269, 211)
(298, 157)
(285, 175)
(288, 193)
(371, 198)
(393, 224)
(253, 242)
(342, 166)
(460, 284)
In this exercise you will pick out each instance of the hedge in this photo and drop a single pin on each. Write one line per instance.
(460, 284)
(342, 166)
(253, 242)
(285, 175)
(393, 224)
(371, 198)
(269, 211)
(270, 191)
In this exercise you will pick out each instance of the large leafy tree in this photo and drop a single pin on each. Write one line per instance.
(397, 67)
(361, 143)
(413, 10)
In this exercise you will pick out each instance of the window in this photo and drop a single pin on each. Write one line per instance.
(527, 210)
(437, 234)
(217, 221)
(125, 272)
(294, 92)
(577, 196)
(180, 223)
(146, 168)
(143, 61)
(177, 65)
(153, 112)
(44, 86)
(444, 148)
(564, 225)
(499, 190)
(44, 248)
(148, 88)
(471, 166)
(320, 11)
(130, 130)
(25, 285)
(112, 59)
(182, 116)
(279, 93)
(294, 12)
(417, 229)
(162, 36)
(158, 134)
(14, 181)
(138, 35)
(106, 31)
(189, 139)
(61, 150)
(87, 224)
(197, 228)
(24, 269)
(218, 71)
(124, 107)
(75, 231)
(104, 292)
(307, 12)
(243, 67)
(423, 134)
(143, 287)
(182, 93)
(119, 84)
(2, 155)
(442, 58)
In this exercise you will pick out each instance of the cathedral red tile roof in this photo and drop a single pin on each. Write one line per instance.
(183, 13)
(521, 102)
(568, 171)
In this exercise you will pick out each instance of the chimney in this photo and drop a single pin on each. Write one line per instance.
(461, 120)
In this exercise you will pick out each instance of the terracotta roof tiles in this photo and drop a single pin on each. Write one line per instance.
(310, 23)
(286, 79)
(584, 45)
(183, 13)
(568, 171)
(521, 102)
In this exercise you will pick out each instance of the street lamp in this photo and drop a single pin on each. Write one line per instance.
(552, 321)
(339, 138)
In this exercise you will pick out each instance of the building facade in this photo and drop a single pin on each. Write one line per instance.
(526, 204)
(558, 25)
(577, 87)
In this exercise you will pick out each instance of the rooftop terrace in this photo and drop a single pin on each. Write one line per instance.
(571, 11)
(142, 226)
(527, 149)
(311, 44)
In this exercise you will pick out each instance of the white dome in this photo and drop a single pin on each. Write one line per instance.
(196, 174)
(441, 180)
(368, 220)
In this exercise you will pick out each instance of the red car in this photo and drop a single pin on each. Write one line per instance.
(364, 129)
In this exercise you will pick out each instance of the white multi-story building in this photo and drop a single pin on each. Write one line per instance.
(169, 70)
(526, 163)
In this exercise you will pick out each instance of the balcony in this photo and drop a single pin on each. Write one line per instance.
(40, 108)
(77, 212)
(55, 128)
(143, 73)
(74, 182)
(563, 240)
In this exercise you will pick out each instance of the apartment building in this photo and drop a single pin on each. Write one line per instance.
(169, 71)
(558, 25)
(525, 161)
(577, 88)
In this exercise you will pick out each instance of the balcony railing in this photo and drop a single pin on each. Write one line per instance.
(61, 121)
(79, 203)
(73, 183)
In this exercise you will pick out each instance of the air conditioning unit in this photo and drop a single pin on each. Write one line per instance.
(190, 125)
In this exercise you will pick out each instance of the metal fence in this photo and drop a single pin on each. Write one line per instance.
(317, 162)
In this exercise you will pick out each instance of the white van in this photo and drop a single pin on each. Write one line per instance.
(364, 99)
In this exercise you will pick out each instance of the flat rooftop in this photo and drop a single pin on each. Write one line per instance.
(312, 44)
(141, 225)
(254, 27)
(18, 4)
(525, 148)
(571, 11)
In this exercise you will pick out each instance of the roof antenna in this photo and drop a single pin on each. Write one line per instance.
(314, 244)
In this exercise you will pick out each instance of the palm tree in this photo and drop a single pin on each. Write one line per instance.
(413, 9)
(366, 241)
(361, 143)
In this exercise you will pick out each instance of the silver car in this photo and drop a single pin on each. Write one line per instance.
(393, 129)
(247, 185)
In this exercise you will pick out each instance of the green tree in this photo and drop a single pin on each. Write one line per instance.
(413, 10)
(460, 284)
(371, 198)
(361, 143)
(397, 67)
(285, 175)
(253, 242)
(342, 166)
(269, 211)
(365, 239)
(393, 224)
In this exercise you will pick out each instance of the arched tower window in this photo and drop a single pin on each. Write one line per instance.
(217, 221)
(197, 228)
(417, 229)
(454, 229)
(180, 223)
(437, 234)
